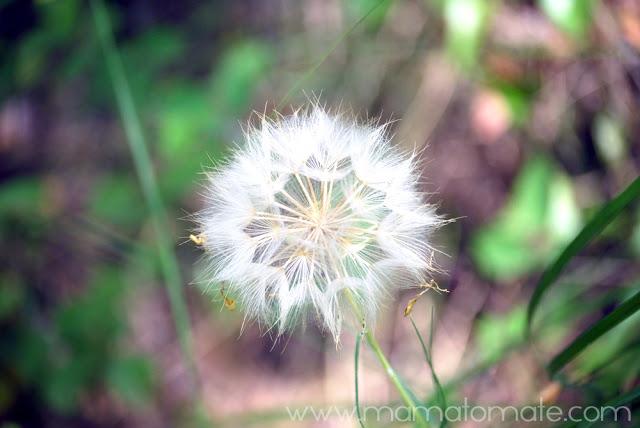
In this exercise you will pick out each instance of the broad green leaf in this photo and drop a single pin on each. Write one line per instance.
(592, 229)
(621, 313)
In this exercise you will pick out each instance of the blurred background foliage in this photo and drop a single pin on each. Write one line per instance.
(529, 112)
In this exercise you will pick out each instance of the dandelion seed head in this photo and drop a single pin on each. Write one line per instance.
(310, 207)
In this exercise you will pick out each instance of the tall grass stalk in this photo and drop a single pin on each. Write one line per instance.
(146, 176)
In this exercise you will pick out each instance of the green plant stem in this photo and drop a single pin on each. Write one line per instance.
(146, 176)
(405, 393)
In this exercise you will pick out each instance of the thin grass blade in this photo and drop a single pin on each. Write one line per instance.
(621, 313)
(146, 176)
(441, 396)
(604, 216)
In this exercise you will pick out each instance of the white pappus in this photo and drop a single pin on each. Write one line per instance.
(310, 208)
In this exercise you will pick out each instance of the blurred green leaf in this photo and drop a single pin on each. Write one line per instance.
(131, 379)
(31, 61)
(93, 320)
(29, 354)
(592, 229)
(620, 314)
(63, 387)
(12, 295)
(465, 22)
(519, 102)
(21, 196)
(540, 215)
(572, 16)
(184, 118)
(59, 18)
(238, 73)
(116, 199)
(146, 56)
(496, 333)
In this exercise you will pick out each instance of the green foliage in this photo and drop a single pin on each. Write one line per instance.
(110, 194)
(620, 314)
(21, 197)
(358, 8)
(592, 229)
(78, 350)
(146, 57)
(132, 379)
(238, 74)
(58, 24)
(496, 333)
(540, 215)
(23, 210)
(12, 296)
(193, 78)
(465, 22)
(572, 16)
(147, 177)
(192, 119)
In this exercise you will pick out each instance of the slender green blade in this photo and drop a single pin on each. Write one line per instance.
(442, 399)
(621, 313)
(146, 176)
(357, 360)
(604, 216)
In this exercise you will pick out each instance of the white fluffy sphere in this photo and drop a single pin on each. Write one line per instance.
(310, 207)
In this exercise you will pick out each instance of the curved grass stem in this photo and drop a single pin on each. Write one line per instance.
(408, 397)
(147, 179)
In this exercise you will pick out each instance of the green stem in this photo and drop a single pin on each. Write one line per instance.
(146, 176)
(405, 393)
